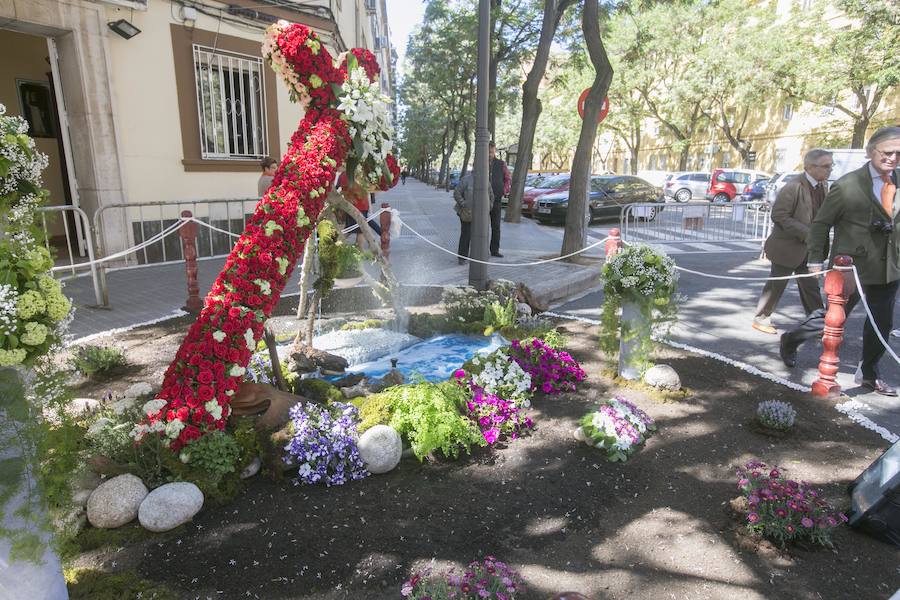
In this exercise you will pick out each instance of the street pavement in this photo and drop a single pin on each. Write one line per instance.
(715, 315)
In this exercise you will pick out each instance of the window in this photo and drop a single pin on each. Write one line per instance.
(231, 104)
(726, 160)
(806, 4)
(788, 111)
(781, 159)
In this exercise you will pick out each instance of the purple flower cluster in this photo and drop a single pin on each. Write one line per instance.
(784, 510)
(552, 371)
(324, 444)
(489, 579)
(496, 417)
(618, 427)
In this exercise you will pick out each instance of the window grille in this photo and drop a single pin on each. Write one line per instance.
(231, 104)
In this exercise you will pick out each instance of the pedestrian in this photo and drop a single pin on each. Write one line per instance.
(403, 175)
(861, 208)
(464, 199)
(500, 184)
(268, 165)
(792, 213)
(357, 196)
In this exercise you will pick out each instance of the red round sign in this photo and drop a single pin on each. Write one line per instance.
(604, 109)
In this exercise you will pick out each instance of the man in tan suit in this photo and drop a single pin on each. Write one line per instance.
(792, 213)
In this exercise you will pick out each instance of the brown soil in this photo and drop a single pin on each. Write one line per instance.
(659, 526)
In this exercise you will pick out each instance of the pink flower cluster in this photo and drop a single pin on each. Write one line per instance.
(552, 371)
(489, 579)
(784, 510)
(494, 416)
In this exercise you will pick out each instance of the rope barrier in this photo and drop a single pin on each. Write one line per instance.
(862, 298)
(484, 262)
(736, 278)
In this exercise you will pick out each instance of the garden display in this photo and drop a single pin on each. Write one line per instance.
(323, 445)
(551, 370)
(776, 415)
(488, 579)
(618, 427)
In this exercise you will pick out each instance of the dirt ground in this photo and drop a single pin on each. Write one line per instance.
(658, 526)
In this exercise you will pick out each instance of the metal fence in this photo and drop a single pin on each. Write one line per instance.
(79, 245)
(673, 223)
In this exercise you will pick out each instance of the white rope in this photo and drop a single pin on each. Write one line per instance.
(862, 298)
(213, 227)
(347, 230)
(148, 242)
(736, 278)
(484, 262)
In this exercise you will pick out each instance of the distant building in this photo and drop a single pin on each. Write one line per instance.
(163, 100)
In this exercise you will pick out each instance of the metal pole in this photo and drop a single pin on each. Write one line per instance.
(479, 247)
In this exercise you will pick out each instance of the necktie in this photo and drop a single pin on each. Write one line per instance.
(887, 194)
(819, 194)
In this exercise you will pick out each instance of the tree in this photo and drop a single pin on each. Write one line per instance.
(531, 105)
(862, 58)
(574, 236)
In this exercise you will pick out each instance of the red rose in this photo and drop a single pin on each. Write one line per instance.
(206, 393)
(205, 377)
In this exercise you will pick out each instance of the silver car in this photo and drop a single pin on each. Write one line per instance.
(776, 183)
(686, 186)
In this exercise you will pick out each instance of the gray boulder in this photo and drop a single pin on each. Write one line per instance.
(115, 502)
(663, 377)
(252, 469)
(380, 448)
(170, 505)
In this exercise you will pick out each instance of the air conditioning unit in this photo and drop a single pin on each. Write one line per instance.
(370, 6)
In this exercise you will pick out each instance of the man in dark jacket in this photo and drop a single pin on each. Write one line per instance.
(500, 184)
(862, 208)
(792, 213)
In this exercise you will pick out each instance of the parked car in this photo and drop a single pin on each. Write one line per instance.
(725, 184)
(607, 196)
(774, 185)
(531, 180)
(454, 179)
(755, 190)
(559, 183)
(687, 186)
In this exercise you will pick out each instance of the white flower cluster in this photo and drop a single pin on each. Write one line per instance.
(642, 269)
(366, 110)
(504, 378)
(25, 163)
(9, 298)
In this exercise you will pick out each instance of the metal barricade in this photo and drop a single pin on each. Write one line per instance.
(703, 222)
(79, 248)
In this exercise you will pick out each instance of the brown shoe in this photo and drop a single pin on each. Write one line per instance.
(764, 328)
(879, 387)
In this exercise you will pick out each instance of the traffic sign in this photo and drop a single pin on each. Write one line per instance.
(604, 109)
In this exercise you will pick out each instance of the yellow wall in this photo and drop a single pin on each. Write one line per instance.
(24, 57)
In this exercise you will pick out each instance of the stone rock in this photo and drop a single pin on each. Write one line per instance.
(251, 469)
(98, 426)
(349, 380)
(322, 359)
(356, 391)
(78, 407)
(116, 502)
(391, 378)
(300, 363)
(83, 485)
(523, 309)
(663, 377)
(380, 448)
(169, 506)
(138, 390)
(579, 434)
(124, 405)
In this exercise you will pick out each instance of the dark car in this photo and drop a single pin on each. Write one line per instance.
(755, 191)
(608, 195)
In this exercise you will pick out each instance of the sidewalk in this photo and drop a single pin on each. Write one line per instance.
(144, 294)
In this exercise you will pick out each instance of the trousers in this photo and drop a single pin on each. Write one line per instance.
(808, 287)
(465, 237)
(495, 228)
(881, 298)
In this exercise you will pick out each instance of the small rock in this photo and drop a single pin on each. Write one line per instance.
(116, 502)
(78, 407)
(124, 405)
(251, 469)
(349, 380)
(169, 506)
(380, 448)
(355, 391)
(523, 309)
(580, 435)
(98, 426)
(138, 390)
(663, 377)
(392, 378)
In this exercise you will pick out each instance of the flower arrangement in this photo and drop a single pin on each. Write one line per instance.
(489, 579)
(212, 360)
(496, 417)
(551, 371)
(617, 426)
(33, 308)
(324, 444)
(776, 415)
(645, 278)
(500, 375)
(785, 510)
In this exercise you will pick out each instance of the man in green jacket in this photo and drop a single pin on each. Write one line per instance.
(862, 207)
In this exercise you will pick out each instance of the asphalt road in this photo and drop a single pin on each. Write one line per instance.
(716, 316)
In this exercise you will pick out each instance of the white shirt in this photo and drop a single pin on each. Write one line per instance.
(811, 180)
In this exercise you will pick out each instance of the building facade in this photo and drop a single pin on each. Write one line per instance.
(161, 101)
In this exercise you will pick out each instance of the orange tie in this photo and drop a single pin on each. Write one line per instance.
(887, 194)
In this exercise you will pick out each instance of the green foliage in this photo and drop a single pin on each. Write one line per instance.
(318, 390)
(425, 325)
(91, 584)
(360, 325)
(373, 410)
(329, 261)
(94, 538)
(466, 304)
(535, 327)
(93, 360)
(429, 416)
(216, 453)
(497, 315)
(248, 439)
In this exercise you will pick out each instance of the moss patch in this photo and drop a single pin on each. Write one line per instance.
(318, 390)
(91, 584)
(654, 393)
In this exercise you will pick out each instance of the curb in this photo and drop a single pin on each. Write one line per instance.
(580, 280)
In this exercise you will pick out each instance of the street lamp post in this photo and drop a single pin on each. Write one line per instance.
(479, 245)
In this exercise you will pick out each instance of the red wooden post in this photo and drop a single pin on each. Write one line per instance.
(838, 286)
(614, 242)
(385, 221)
(188, 233)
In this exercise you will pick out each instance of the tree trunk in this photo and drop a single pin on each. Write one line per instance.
(860, 126)
(635, 156)
(576, 226)
(683, 157)
(450, 150)
(468, 155)
(531, 106)
(445, 158)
